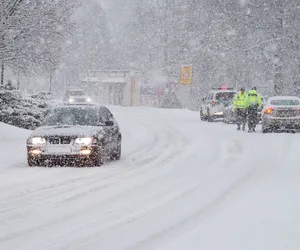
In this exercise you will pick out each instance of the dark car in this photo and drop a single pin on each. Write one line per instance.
(75, 135)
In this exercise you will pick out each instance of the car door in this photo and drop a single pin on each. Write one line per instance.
(209, 100)
(205, 104)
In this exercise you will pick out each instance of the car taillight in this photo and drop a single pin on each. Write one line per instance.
(269, 110)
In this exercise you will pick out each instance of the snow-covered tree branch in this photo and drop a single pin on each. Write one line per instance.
(33, 32)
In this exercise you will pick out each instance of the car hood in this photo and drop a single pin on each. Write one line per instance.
(65, 130)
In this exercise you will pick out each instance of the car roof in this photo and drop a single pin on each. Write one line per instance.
(75, 90)
(284, 98)
(226, 91)
(79, 106)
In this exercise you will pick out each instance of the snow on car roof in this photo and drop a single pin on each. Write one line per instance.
(284, 98)
(223, 90)
(82, 106)
(75, 89)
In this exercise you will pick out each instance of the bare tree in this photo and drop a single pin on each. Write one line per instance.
(33, 33)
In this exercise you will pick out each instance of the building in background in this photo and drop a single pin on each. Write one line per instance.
(113, 87)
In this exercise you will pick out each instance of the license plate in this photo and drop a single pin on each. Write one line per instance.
(286, 113)
(59, 149)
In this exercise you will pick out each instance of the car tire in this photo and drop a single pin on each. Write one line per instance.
(210, 119)
(116, 154)
(265, 129)
(32, 162)
(202, 118)
(225, 120)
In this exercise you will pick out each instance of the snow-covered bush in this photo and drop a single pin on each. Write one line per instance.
(23, 112)
(171, 101)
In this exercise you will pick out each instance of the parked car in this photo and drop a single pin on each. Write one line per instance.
(76, 96)
(75, 135)
(215, 102)
(281, 113)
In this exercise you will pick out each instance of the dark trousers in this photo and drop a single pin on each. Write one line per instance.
(241, 117)
(252, 117)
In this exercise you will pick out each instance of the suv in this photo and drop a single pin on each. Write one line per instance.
(76, 96)
(214, 103)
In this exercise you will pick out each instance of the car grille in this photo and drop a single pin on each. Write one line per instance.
(80, 100)
(60, 140)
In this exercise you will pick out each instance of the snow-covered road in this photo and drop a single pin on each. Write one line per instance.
(181, 184)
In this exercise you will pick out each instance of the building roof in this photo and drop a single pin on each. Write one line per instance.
(104, 80)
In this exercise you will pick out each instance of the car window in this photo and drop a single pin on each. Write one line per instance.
(225, 96)
(105, 115)
(72, 116)
(210, 96)
(285, 102)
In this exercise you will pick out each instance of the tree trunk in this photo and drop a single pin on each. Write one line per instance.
(2, 75)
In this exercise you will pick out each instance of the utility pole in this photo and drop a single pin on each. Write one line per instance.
(277, 60)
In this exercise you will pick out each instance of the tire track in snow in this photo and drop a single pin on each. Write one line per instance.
(147, 209)
(196, 218)
(191, 222)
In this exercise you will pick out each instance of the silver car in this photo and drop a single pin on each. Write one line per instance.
(281, 113)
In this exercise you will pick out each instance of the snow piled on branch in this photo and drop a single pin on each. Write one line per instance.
(23, 112)
(33, 33)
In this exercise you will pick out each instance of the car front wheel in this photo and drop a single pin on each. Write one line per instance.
(116, 154)
(265, 129)
(32, 162)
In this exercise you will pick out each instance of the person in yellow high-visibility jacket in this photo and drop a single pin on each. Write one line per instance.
(254, 103)
(240, 105)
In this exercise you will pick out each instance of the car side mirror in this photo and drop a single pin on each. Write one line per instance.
(109, 123)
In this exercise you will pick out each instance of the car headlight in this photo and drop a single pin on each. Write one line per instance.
(84, 141)
(71, 100)
(88, 99)
(37, 140)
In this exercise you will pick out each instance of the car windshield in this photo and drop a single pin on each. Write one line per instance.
(73, 116)
(285, 102)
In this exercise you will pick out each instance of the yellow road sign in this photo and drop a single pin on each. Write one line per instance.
(186, 75)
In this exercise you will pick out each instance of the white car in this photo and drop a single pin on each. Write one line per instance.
(214, 104)
(77, 96)
(281, 113)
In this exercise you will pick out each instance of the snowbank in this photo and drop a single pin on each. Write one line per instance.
(8, 132)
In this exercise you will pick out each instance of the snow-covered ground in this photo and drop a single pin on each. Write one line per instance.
(181, 184)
